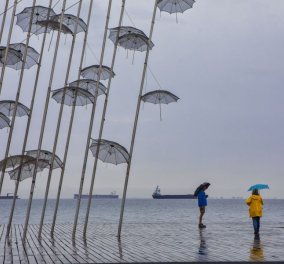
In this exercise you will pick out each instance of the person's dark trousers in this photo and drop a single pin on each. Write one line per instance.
(256, 224)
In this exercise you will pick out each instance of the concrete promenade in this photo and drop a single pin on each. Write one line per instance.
(175, 242)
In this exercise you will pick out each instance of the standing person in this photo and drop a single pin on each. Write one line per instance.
(255, 203)
(202, 203)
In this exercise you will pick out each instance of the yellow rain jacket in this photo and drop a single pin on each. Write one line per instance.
(255, 203)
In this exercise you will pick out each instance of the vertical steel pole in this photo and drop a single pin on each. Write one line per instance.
(28, 126)
(4, 19)
(102, 122)
(8, 43)
(136, 121)
(91, 124)
(70, 124)
(43, 123)
(59, 121)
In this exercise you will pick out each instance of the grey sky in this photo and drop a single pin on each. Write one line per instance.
(224, 59)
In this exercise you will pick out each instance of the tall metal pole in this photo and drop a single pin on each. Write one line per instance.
(8, 43)
(70, 124)
(91, 124)
(4, 19)
(136, 121)
(102, 122)
(17, 97)
(28, 125)
(43, 123)
(59, 121)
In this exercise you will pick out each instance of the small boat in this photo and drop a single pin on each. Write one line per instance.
(157, 195)
(8, 196)
(112, 195)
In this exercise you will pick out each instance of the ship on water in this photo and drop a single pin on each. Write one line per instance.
(112, 195)
(8, 196)
(157, 195)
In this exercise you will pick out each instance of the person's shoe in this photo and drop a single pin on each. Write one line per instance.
(201, 226)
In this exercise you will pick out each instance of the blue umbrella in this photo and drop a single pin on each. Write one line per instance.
(258, 187)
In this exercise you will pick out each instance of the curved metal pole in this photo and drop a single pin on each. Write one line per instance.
(91, 124)
(28, 126)
(102, 122)
(4, 19)
(43, 123)
(136, 121)
(70, 124)
(17, 97)
(59, 121)
(8, 43)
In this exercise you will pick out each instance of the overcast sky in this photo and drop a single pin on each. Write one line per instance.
(224, 59)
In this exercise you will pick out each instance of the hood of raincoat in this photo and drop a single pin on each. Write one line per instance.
(255, 203)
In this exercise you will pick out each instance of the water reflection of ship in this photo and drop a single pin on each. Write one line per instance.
(112, 195)
(8, 196)
(157, 195)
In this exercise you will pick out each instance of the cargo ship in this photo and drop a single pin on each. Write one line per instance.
(8, 196)
(157, 195)
(112, 195)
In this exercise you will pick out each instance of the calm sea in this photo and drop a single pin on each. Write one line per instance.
(219, 211)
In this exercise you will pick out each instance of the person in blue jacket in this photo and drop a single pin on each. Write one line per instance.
(202, 203)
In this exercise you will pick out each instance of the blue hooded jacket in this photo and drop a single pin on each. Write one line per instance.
(202, 201)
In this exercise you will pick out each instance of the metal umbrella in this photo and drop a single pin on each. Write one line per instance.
(134, 41)
(27, 169)
(7, 108)
(46, 155)
(89, 85)
(40, 13)
(109, 151)
(200, 187)
(83, 97)
(13, 56)
(13, 161)
(31, 57)
(258, 187)
(175, 6)
(76, 25)
(54, 25)
(95, 71)
(4, 121)
(123, 30)
(159, 97)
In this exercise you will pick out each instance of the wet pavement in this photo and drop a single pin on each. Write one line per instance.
(169, 242)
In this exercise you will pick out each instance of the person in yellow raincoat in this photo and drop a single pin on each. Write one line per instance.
(255, 203)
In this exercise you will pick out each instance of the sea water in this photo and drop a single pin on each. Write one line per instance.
(218, 211)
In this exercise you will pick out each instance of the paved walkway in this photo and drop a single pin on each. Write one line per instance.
(144, 243)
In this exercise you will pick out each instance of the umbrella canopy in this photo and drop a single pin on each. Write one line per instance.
(40, 13)
(258, 187)
(27, 169)
(13, 56)
(4, 121)
(7, 108)
(109, 152)
(89, 85)
(134, 41)
(175, 6)
(54, 25)
(71, 21)
(46, 155)
(13, 161)
(92, 72)
(200, 187)
(123, 30)
(31, 59)
(83, 97)
(159, 97)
